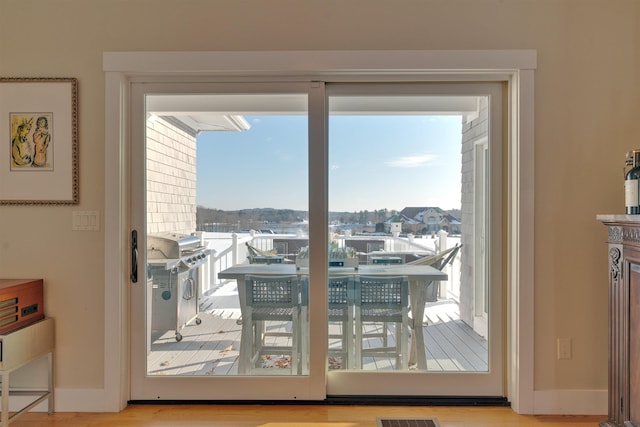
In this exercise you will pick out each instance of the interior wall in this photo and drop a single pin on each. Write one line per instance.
(587, 104)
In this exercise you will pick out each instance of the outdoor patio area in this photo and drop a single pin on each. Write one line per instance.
(212, 347)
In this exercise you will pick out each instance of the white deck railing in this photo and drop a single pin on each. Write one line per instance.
(229, 249)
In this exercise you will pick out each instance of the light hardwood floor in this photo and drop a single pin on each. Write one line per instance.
(297, 416)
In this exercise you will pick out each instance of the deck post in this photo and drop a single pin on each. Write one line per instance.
(442, 245)
(234, 248)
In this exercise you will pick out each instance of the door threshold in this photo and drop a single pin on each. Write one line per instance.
(351, 400)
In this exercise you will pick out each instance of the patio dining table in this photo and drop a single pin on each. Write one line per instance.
(419, 277)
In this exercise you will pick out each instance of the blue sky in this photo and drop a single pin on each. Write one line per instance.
(375, 162)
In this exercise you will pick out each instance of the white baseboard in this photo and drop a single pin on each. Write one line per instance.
(570, 402)
(68, 400)
(546, 402)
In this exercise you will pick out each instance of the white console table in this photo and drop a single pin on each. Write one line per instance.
(20, 348)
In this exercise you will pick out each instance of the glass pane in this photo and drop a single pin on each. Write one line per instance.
(227, 210)
(401, 198)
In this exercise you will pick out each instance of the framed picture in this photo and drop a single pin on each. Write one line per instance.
(38, 141)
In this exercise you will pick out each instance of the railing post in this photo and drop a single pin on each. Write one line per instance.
(442, 240)
(442, 245)
(204, 274)
(234, 248)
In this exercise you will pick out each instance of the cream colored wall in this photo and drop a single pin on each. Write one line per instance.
(587, 107)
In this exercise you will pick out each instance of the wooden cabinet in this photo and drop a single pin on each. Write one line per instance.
(21, 303)
(624, 319)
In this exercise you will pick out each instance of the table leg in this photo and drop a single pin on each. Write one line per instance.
(418, 295)
(246, 349)
(246, 334)
(50, 399)
(5, 399)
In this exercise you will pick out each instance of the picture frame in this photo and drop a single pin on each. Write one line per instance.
(39, 141)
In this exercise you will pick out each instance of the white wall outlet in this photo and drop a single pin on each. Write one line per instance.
(564, 348)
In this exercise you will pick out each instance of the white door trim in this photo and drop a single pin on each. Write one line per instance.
(515, 67)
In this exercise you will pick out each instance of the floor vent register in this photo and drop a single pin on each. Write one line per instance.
(408, 422)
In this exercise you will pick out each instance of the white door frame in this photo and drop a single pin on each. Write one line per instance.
(514, 67)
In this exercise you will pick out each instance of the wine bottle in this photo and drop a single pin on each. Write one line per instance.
(631, 188)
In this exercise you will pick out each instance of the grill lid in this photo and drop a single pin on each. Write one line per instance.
(170, 245)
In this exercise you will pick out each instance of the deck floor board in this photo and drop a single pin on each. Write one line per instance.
(212, 347)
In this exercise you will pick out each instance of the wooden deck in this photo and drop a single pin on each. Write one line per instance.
(211, 348)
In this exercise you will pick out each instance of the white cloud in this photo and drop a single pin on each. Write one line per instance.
(411, 161)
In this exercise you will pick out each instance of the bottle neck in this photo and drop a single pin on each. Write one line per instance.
(633, 159)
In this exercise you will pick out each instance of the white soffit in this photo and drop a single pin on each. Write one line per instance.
(224, 112)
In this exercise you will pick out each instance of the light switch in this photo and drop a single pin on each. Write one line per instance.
(85, 220)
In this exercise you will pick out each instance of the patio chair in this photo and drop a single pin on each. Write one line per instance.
(272, 303)
(341, 293)
(270, 256)
(439, 261)
(384, 300)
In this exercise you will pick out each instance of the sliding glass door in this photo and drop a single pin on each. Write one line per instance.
(408, 190)
(221, 210)
(304, 239)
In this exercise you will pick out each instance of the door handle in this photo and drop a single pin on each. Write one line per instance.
(134, 256)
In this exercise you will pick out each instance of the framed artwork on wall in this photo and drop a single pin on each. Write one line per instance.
(38, 141)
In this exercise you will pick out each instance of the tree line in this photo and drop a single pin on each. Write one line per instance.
(257, 218)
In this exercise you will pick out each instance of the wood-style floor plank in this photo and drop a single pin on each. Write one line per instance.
(297, 416)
